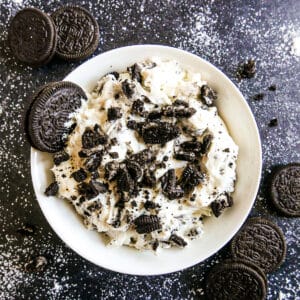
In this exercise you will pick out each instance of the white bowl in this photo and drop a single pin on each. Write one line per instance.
(217, 231)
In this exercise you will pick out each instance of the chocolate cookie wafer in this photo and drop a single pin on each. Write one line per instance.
(261, 242)
(31, 100)
(49, 114)
(235, 281)
(77, 32)
(285, 190)
(32, 37)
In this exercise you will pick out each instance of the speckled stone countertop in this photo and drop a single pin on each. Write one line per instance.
(223, 32)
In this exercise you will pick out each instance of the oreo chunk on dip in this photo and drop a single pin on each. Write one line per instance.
(158, 132)
(146, 224)
(32, 37)
(207, 95)
(77, 32)
(93, 137)
(50, 112)
(147, 161)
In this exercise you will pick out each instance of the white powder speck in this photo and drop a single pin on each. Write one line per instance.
(296, 46)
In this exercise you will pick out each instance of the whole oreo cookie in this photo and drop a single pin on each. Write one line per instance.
(285, 189)
(49, 113)
(32, 37)
(235, 281)
(261, 242)
(77, 32)
(249, 264)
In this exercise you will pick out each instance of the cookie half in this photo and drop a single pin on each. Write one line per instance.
(48, 116)
(235, 281)
(32, 37)
(77, 32)
(285, 190)
(261, 242)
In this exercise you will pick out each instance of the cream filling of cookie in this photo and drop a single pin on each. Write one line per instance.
(162, 83)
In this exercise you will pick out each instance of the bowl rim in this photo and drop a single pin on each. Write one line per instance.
(254, 192)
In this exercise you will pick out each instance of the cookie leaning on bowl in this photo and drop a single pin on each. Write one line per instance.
(49, 113)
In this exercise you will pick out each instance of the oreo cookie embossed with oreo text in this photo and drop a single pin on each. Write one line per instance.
(77, 32)
(261, 242)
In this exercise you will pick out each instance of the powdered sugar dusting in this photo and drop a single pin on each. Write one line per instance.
(223, 32)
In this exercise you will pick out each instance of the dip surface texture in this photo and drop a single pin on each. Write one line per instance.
(149, 157)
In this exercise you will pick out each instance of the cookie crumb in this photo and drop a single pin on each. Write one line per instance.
(272, 88)
(259, 96)
(273, 123)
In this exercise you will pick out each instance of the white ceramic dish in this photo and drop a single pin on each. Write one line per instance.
(218, 231)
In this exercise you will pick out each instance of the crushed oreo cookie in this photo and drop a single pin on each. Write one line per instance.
(115, 74)
(155, 115)
(111, 170)
(192, 146)
(98, 187)
(222, 202)
(93, 161)
(149, 179)
(128, 88)
(143, 157)
(93, 137)
(180, 103)
(272, 88)
(177, 111)
(132, 124)
(247, 69)
(134, 170)
(92, 189)
(125, 182)
(206, 143)
(36, 264)
(159, 132)
(138, 107)
(183, 155)
(79, 175)
(191, 177)
(149, 205)
(273, 123)
(169, 185)
(114, 155)
(146, 224)
(114, 113)
(259, 96)
(60, 157)
(135, 72)
(52, 189)
(177, 240)
(27, 229)
(207, 95)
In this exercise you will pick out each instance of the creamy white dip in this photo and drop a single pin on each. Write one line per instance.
(162, 82)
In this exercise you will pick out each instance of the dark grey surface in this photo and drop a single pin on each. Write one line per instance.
(224, 33)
